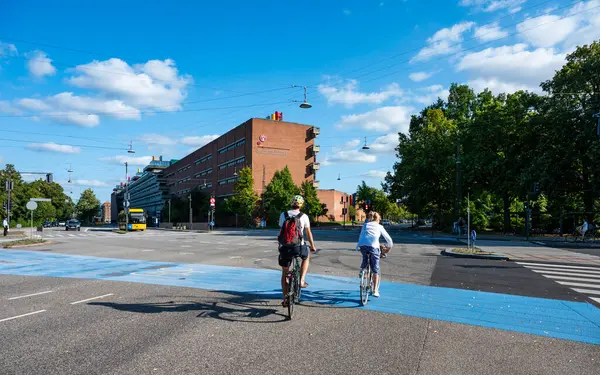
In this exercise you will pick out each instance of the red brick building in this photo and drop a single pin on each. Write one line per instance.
(262, 144)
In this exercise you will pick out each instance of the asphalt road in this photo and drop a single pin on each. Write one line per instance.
(78, 324)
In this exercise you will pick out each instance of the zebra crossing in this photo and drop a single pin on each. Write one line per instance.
(69, 234)
(582, 279)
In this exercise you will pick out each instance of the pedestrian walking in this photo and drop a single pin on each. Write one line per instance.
(5, 226)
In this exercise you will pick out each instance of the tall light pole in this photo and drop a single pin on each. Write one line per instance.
(169, 211)
(190, 199)
(126, 200)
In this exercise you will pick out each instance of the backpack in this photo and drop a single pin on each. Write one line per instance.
(290, 234)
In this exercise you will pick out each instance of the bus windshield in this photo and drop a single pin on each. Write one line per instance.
(137, 218)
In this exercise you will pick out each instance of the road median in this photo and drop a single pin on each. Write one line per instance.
(475, 253)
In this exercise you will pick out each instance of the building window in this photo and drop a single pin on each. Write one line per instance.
(203, 159)
(232, 146)
(184, 168)
(232, 162)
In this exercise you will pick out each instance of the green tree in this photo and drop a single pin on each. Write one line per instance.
(87, 206)
(278, 195)
(312, 204)
(245, 200)
(352, 212)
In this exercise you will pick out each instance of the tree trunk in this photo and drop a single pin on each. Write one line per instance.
(588, 194)
(506, 200)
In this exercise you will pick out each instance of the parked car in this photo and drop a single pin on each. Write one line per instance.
(61, 223)
(47, 224)
(73, 225)
(385, 222)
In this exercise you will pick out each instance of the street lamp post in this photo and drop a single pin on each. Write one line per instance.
(170, 211)
(126, 200)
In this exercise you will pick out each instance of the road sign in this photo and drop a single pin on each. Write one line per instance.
(31, 205)
(41, 199)
(212, 202)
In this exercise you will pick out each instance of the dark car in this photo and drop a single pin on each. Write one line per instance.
(73, 225)
(47, 224)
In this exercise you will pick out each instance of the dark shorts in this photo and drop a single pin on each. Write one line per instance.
(286, 255)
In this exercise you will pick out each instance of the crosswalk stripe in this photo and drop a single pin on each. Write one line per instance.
(580, 279)
(526, 264)
(586, 291)
(569, 283)
(566, 273)
(572, 278)
(549, 269)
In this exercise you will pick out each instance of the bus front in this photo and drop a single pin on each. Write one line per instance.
(137, 219)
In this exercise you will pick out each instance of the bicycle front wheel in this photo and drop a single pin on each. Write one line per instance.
(290, 296)
(365, 283)
(298, 290)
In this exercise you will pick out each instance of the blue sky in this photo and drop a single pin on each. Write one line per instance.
(79, 81)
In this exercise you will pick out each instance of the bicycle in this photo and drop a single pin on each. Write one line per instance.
(366, 282)
(294, 289)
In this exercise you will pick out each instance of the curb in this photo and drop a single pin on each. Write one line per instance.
(30, 245)
(451, 253)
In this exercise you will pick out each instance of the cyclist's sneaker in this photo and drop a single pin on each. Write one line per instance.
(360, 274)
(383, 255)
(376, 293)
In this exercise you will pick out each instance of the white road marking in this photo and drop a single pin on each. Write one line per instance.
(568, 283)
(235, 257)
(587, 291)
(91, 299)
(547, 269)
(557, 266)
(21, 316)
(595, 299)
(572, 278)
(186, 246)
(71, 235)
(30, 295)
(186, 253)
(147, 250)
(267, 251)
(544, 272)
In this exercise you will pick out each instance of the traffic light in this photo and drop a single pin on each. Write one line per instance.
(536, 188)
(366, 206)
(49, 178)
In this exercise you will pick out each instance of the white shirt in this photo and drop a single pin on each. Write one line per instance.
(304, 221)
(4, 223)
(370, 233)
(584, 227)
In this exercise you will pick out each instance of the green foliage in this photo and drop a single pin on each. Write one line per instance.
(245, 200)
(312, 204)
(506, 143)
(278, 195)
(88, 205)
(352, 212)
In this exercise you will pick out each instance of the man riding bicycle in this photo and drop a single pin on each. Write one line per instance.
(293, 224)
(368, 243)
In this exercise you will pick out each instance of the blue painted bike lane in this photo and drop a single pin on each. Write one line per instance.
(577, 321)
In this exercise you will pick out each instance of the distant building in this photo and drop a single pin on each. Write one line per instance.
(106, 212)
(335, 202)
(147, 189)
(265, 145)
(116, 202)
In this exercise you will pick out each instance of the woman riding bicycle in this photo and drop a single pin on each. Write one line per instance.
(369, 245)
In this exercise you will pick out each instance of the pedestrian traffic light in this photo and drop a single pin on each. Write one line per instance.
(366, 206)
(536, 188)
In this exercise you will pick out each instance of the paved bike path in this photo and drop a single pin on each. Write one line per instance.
(575, 321)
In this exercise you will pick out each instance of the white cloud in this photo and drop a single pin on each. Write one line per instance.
(588, 25)
(115, 108)
(54, 147)
(77, 118)
(39, 64)
(7, 107)
(420, 76)
(497, 87)
(351, 144)
(376, 174)
(8, 49)
(391, 118)
(490, 32)
(157, 139)
(491, 5)
(156, 84)
(199, 141)
(349, 157)
(348, 95)
(444, 42)
(141, 161)
(34, 104)
(513, 64)
(546, 31)
(433, 92)
(385, 144)
(89, 183)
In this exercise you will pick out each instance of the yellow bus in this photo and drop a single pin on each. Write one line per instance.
(137, 219)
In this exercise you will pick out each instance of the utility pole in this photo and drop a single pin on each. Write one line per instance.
(169, 211)
(9, 188)
(126, 200)
(190, 199)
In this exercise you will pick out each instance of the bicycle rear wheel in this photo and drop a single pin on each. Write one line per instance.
(365, 284)
(298, 291)
(290, 297)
